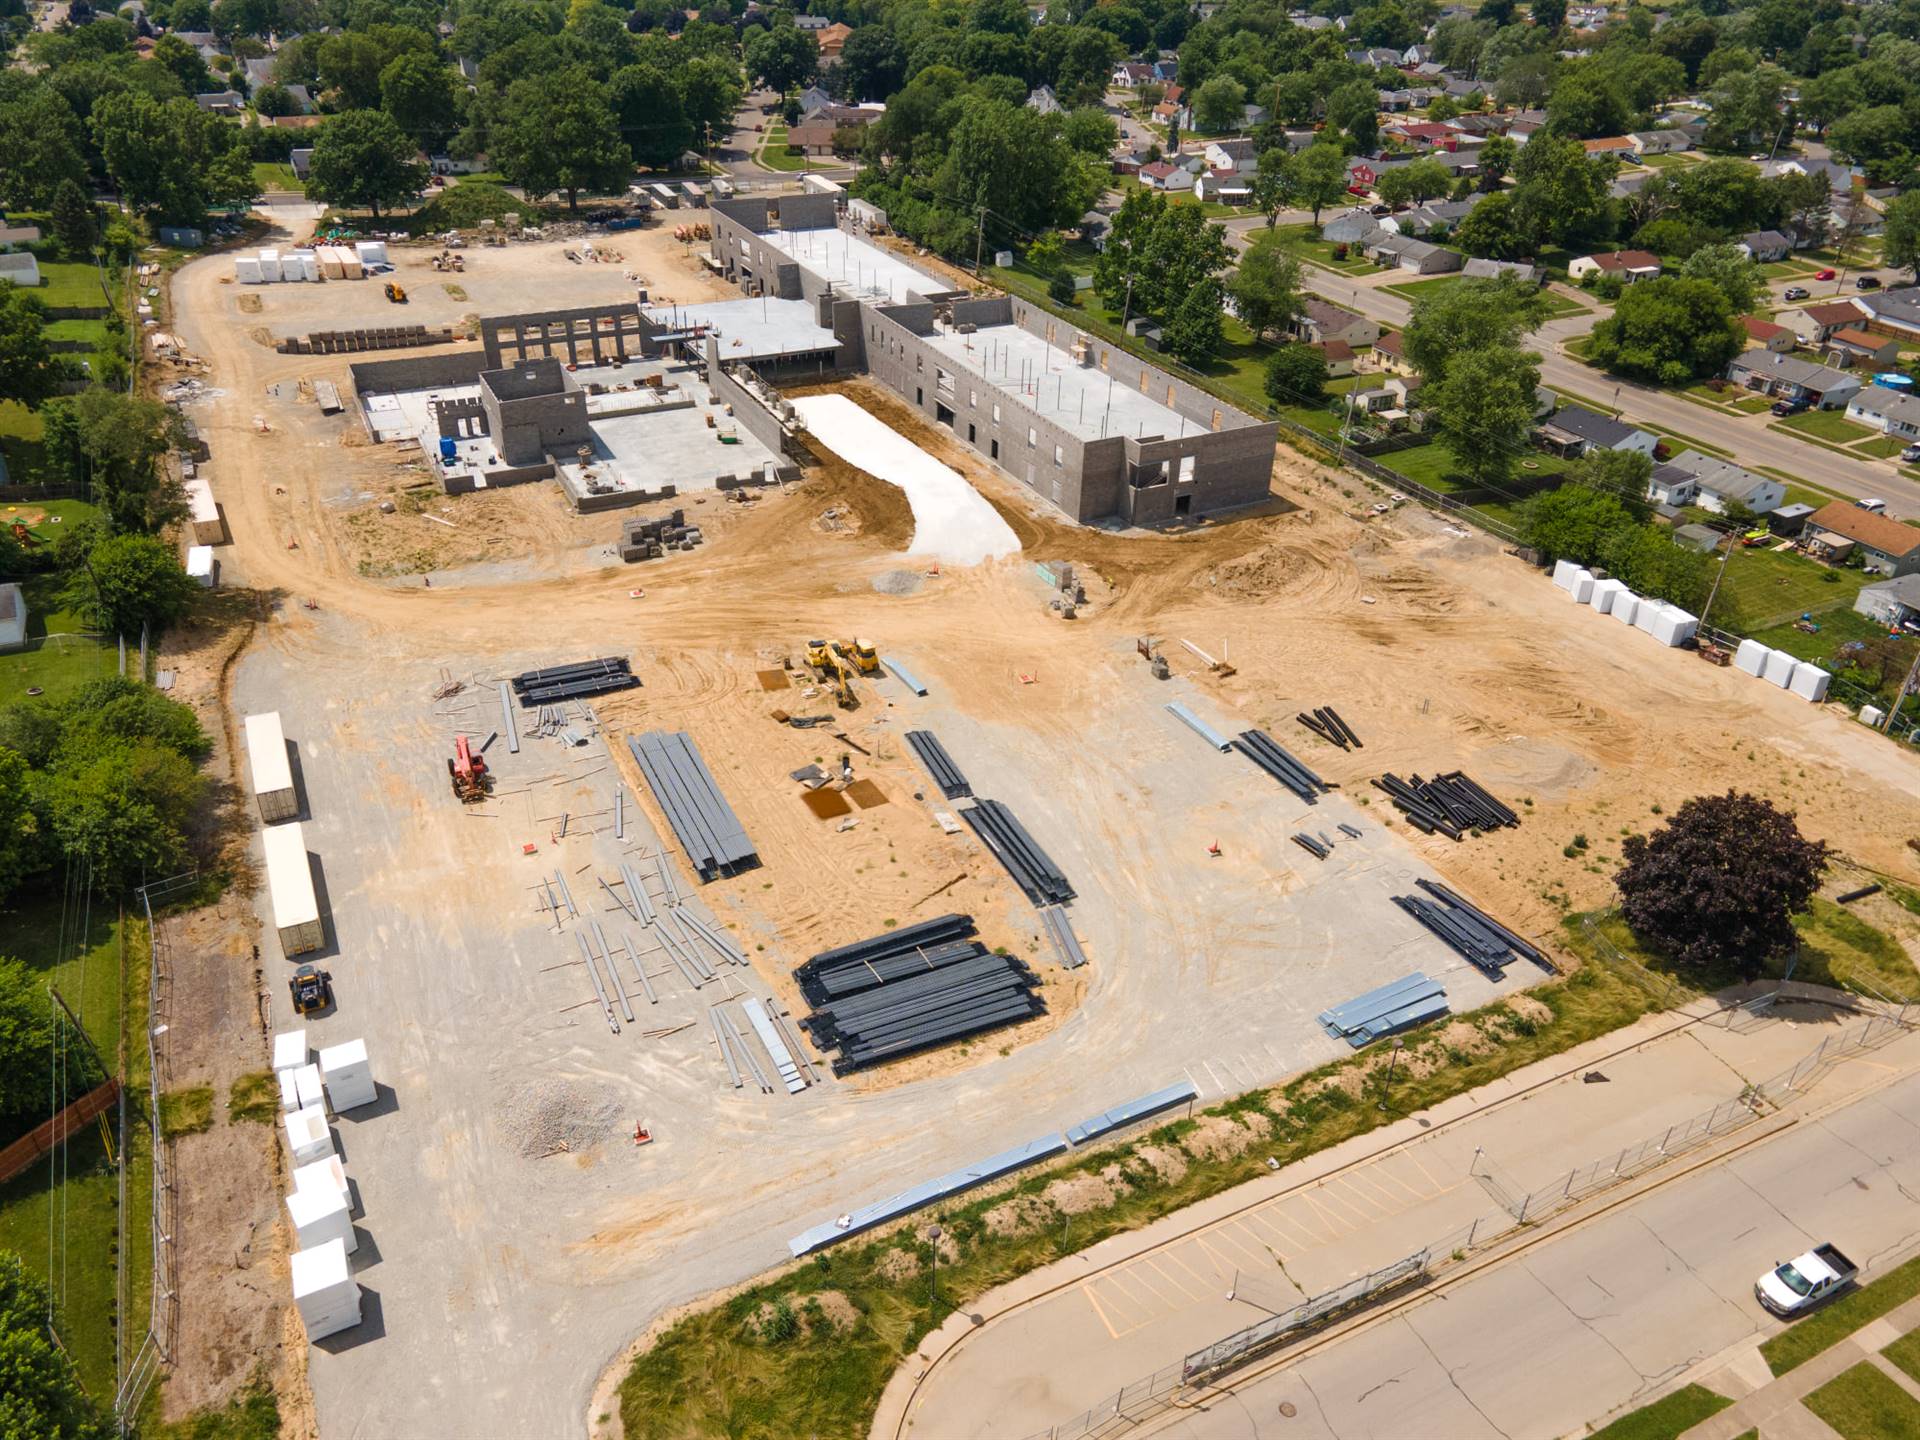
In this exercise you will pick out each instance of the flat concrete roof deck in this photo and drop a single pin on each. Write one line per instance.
(761, 329)
(1084, 400)
(861, 269)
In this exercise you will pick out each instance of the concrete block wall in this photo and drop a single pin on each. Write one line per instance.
(748, 410)
(422, 372)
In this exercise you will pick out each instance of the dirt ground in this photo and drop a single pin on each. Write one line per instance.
(1440, 651)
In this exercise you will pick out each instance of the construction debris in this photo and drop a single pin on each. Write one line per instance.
(642, 539)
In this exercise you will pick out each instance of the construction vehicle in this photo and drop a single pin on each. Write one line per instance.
(396, 294)
(311, 989)
(861, 655)
(825, 660)
(468, 773)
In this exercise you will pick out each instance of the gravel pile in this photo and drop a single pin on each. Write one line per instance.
(548, 1117)
(898, 582)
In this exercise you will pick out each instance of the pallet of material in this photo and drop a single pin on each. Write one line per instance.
(1449, 804)
(1469, 931)
(939, 764)
(864, 964)
(1032, 868)
(1272, 757)
(576, 681)
(651, 539)
(904, 1017)
(703, 822)
(1411, 1000)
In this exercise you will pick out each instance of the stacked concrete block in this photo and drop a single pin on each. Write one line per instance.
(650, 539)
(349, 1076)
(324, 1291)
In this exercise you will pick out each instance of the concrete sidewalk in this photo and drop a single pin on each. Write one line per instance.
(1066, 1337)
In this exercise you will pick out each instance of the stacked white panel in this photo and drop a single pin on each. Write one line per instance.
(324, 1291)
(289, 1091)
(1779, 669)
(1809, 682)
(328, 1174)
(371, 252)
(1648, 614)
(289, 1046)
(306, 1080)
(320, 1216)
(269, 266)
(348, 1074)
(1563, 573)
(1626, 607)
(1582, 588)
(1751, 657)
(246, 269)
(307, 1135)
(1605, 592)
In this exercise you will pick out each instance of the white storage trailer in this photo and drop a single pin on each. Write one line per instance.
(272, 771)
(296, 911)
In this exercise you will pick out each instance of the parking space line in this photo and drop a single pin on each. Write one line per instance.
(1302, 1223)
(1087, 1290)
(1332, 1218)
(1179, 1286)
(1206, 1282)
(1284, 1241)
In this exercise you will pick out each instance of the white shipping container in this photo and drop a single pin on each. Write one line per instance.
(296, 911)
(1809, 682)
(320, 1215)
(1779, 668)
(307, 1135)
(272, 774)
(1751, 656)
(348, 1074)
(1626, 607)
(203, 514)
(324, 1291)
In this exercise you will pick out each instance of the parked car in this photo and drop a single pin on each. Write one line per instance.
(1878, 507)
(1798, 1285)
(1790, 407)
(1911, 455)
(1795, 292)
(1823, 274)
(1867, 282)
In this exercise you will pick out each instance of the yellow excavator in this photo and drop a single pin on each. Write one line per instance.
(826, 661)
(861, 655)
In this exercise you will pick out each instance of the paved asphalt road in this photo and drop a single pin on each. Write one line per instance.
(1749, 438)
(1605, 1312)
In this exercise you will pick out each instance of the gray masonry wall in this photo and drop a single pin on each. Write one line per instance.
(752, 415)
(533, 408)
(422, 372)
(578, 336)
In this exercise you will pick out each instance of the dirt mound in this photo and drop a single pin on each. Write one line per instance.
(1022, 1215)
(555, 1117)
(1263, 573)
(1221, 1137)
(1538, 767)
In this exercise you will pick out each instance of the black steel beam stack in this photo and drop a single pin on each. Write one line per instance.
(1449, 804)
(939, 764)
(1313, 847)
(1032, 868)
(1272, 757)
(1327, 724)
(1467, 930)
(894, 995)
(576, 681)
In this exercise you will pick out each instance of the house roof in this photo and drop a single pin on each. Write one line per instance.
(1160, 169)
(1391, 344)
(1840, 312)
(1763, 330)
(1904, 588)
(1863, 527)
(1900, 306)
(1607, 145)
(1885, 400)
(1859, 339)
(1792, 369)
(1722, 477)
(813, 132)
(1327, 317)
(1619, 261)
(1590, 425)
(1766, 240)
(1669, 476)
(1478, 268)
(1335, 349)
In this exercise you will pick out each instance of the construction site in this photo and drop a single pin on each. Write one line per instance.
(692, 914)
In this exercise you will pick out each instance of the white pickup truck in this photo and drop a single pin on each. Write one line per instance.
(1800, 1284)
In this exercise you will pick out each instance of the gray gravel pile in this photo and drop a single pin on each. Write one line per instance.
(547, 1117)
(898, 582)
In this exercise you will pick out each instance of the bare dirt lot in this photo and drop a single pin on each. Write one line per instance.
(498, 1284)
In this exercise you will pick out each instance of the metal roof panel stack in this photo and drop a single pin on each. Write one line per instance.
(1032, 868)
(715, 842)
(1400, 1004)
(1274, 758)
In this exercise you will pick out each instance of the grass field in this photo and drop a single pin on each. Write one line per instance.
(1433, 465)
(1825, 648)
(1762, 587)
(1865, 1403)
(1905, 1353)
(276, 175)
(1305, 241)
(57, 655)
(1838, 948)
(1827, 425)
(1558, 305)
(1667, 1418)
(71, 283)
(774, 154)
(1830, 1324)
(1881, 447)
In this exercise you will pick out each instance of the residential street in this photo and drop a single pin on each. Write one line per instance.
(1749, 438)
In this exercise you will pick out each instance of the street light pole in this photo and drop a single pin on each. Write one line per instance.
(933, 1287)
(1387, 1089)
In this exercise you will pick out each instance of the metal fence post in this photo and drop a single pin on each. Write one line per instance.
(1472, 1231)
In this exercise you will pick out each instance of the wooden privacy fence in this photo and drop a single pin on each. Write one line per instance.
(31, 1146)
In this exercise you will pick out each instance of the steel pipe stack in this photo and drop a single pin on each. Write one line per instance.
(1327, 724)
(906, 1016)
(1272, 757)
(576, 681)
(1449, 804)
(939, 764)
(1467, 930)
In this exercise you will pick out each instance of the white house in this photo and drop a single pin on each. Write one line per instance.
(13, 618)
(1719, 483)
(1573, 430)
(1162, 176)
(1791, 378)
(21, 268)
(1894, 412)
(1235, 155)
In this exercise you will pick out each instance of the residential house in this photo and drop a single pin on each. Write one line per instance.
(1765, 333)
(1887, 546)
(1350, 227)
(1391, 400)
(1131, 75)
(1394, 102)
(258, 72)
(1478, 269)
(813, 137)
(1435, 215)
(1814, 324)
(1166, 72)
(1573, 430)
(1389, 353)
(1406, 253)
(13, 617)
(1720, 484)
(20, 267)
(1766, 246)
(204, 41)
(1238, 155)
(811, 22)
(1426, 134)
(1660, 142)
(1618, 145)
(1587, 17)
(1787, 377)
(832, 41)
(1857, 347)
(1319, 321)
(1894, 312)
(1670, 485)
(1892, 603)
(1378, 57)
(1338, 355)
(1890, 411)
(1464, 89)
(813, 97)
(1416, 55)
(1625, 265)
(1045, 102)
(1224, 187)
(1162, 176)
(1316, 22)
(12, 235)
(301, 158)
(222, 102)
(1172, 106)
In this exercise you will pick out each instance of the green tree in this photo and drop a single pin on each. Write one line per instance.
(1620, 472)
(364, 158)
(1193, 332)
(1185, 254)
(652, 116)
(1424, 179)
(132, 580)
(1355, 108)
(155, 152)
(1732, 270)
(1572, 522)
(1266, 288)
(1651, 562)
(123, 809)
(1015, 162)
(39, 144)
(28, 372)
(19, 836)
(1719, 883)
(1317, 177)
(114, 444)
(1497, 158)
(1901, 246)
(26, 1045)
(557, 132)
(44, 1398)
(417, 91)
(1120, 267)
(1296, 375)
(873, 63)
(274, 100)
(1477, 315)
(1483, 409)
(1558, 190)
(1668, 331)
(782, 55)
(1499, 229)
(1220, 105)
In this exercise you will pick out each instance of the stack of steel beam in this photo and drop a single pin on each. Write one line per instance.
(901, 955)
(711, 834)
(939, 764)
(1469, 931)
(905, 1016)
(1272, 757)
(1327, 724)
(1451, 804)
(572, 682)
(1032, 868)
(1403, 1003)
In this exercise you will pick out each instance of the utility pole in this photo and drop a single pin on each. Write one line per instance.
(1721, 574)
(979, 233)
(1907, 687)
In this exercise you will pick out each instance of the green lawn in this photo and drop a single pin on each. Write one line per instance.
(1838, 948)
(1727, 398)
(1787, 269)
(71, 283)
(1865, 1403)
(1663, 162)
(1881, 447)
(57, 655)
(276, 175)
(1667, 1418)
(1305, 241)
(1827, 425)
(1839, 629)
(21, 445)
(1832, 1323)
(775, 155)
(1905, 1353)
(1761, 587)
(1434, 466)
(1557, 305)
